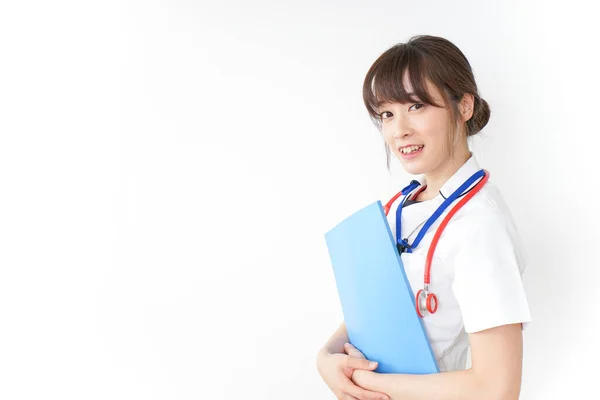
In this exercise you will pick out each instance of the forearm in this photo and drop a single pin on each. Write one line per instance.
(335, 344)
(455, 385)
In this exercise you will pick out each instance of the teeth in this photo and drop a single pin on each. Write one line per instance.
(407, 150)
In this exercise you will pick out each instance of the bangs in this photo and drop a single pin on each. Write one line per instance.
(384, 81)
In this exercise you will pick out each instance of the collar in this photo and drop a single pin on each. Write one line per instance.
(464, 172)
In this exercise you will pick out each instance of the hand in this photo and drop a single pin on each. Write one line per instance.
(353, 352)
(337, 369)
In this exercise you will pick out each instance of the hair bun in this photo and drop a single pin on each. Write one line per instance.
(480, 118)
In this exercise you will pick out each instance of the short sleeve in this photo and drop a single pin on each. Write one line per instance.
(488, 283)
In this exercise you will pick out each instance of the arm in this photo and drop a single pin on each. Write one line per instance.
(495, 374)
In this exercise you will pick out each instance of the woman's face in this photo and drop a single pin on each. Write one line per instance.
(417, 133)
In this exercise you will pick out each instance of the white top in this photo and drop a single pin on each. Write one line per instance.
(476, 271)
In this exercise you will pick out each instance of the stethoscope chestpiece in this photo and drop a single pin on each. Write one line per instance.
(426, 302)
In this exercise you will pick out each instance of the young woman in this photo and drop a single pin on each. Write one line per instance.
(423, 97)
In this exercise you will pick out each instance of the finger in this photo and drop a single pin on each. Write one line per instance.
(353, 351)
(348, 397)
(364, 394)
(359, 363)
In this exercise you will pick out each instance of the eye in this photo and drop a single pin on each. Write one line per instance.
(417, 104)
(382, 115)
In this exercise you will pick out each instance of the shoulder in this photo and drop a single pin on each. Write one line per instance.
(487, 223)
(487, 208)
(489, 201)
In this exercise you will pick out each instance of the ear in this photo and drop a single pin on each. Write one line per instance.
(466, 107)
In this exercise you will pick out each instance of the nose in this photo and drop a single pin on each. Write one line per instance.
(401, 134)
(401, 129)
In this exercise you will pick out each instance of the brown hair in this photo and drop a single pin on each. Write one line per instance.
(427, 58)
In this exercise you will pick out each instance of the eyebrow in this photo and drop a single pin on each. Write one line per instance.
(410, 94)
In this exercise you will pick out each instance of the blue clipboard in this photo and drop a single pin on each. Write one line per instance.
(377, 301)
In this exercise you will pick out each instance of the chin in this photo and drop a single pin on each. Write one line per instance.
(413, 168)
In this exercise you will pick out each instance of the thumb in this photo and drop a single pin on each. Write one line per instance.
(359, 363)
(357, 359)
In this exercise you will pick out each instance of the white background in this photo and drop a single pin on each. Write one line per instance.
(168, 170)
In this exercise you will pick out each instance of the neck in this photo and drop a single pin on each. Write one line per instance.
(437, 178)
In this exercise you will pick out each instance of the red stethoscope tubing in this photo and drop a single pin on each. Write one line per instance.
(444, 222)
(436, 237)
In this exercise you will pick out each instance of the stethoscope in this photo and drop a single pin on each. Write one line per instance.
(426, 301)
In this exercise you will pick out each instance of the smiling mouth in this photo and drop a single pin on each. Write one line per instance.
(410, 149)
